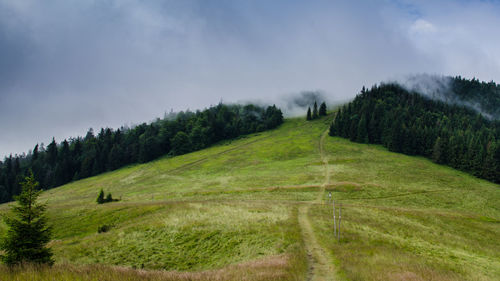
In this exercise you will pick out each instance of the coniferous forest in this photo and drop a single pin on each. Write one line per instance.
(484, 95)
(413, 124)
(78, 158)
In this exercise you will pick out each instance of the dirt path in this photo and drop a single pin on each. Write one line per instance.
(320, 264)
(324, 159)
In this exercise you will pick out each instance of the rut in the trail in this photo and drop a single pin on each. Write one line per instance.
(321, 266)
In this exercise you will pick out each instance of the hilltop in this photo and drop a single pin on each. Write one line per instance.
(414, 124)
(255, 209)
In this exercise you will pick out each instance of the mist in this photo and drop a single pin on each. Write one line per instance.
(437, 87)
(296, 104)
(434, 86)
(68, 65)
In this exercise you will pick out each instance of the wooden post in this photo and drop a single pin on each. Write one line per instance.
(334, 226)
(340, 218)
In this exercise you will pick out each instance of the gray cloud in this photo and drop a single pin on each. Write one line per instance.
(67, 65)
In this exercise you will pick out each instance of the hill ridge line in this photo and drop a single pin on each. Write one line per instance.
(194, 163)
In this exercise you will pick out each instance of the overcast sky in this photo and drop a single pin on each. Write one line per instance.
(68, 65)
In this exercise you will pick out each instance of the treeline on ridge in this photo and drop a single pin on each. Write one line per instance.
(486, 95)
(412, 124)
(79, 158)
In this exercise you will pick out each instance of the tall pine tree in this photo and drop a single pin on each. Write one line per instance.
(315, 111)
(322, 109)
(28, 232)
(52, 153)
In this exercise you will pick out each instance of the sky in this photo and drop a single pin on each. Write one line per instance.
(69, 65)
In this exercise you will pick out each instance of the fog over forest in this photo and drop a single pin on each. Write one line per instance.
(68, 65)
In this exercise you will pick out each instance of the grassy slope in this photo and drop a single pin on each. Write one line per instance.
(407, 218)
(192, 212)
(403, 217)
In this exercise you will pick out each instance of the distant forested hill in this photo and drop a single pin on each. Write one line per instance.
(79, 157)
(408, 122)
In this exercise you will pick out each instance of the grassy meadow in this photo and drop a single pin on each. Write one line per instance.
(230, 212)
(405, 218)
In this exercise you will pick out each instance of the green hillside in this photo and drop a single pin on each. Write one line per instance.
(254, 209)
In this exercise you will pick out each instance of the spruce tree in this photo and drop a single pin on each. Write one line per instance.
(109, 198)
(100, 197)
(332, 132)
(35, 153)
(315, 111)
(308, 114)
(28, 231)
(437, 153)
(322, 109)
(52, 153)
(362, 134)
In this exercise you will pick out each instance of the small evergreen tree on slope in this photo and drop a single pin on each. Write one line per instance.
(315, 111)
(322, 109)
(28, 231)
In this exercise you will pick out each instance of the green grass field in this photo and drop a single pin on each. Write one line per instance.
(230, 212)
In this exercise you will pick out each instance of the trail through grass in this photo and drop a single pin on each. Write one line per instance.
(405, 218)
(321, 266)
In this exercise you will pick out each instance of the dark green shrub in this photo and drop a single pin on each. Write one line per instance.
(101, 199)
(103, 228)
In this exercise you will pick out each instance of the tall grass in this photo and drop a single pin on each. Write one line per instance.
(289, 265)
(270, 268)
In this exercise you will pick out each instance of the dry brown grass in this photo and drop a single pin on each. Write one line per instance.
(270, 268)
